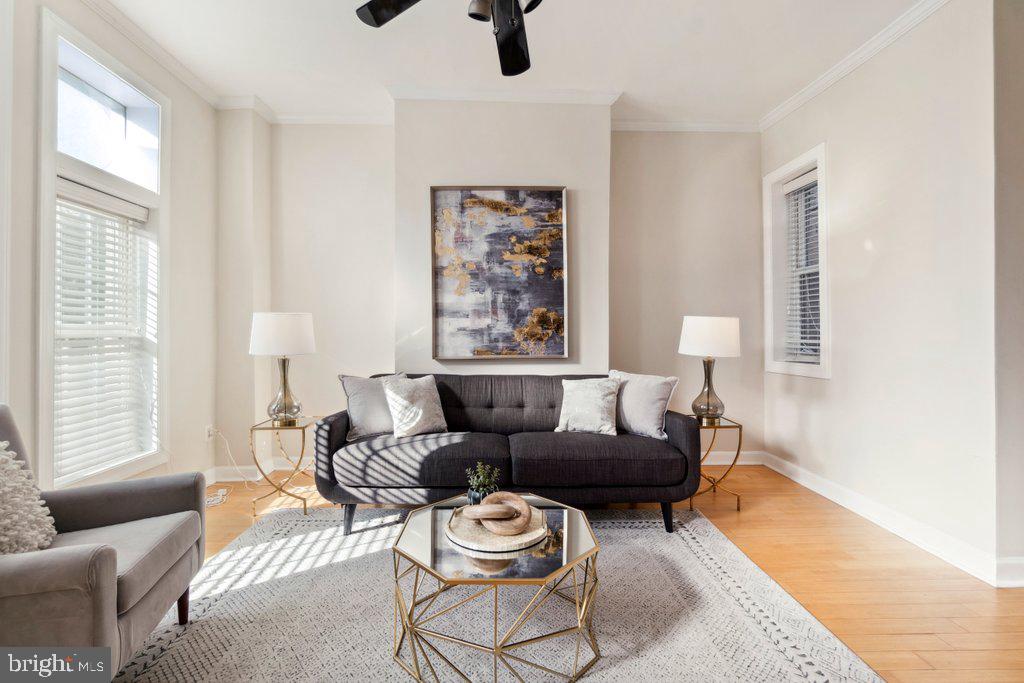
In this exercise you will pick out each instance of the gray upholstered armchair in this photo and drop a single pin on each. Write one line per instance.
(124, 553)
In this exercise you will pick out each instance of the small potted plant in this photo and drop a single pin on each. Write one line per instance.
(483, 481)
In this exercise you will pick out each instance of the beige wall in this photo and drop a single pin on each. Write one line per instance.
(193, 182)
(1009, 145)
(686, 239)
(492, 143)
(243, 385)
(333, 251)
(907, 419)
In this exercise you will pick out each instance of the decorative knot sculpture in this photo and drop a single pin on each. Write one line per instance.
(502, 513)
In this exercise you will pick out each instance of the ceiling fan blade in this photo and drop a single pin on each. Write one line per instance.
(513, 51)
(376, 13)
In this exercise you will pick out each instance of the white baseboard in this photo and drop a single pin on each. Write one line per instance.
(1010, 573)
(725, 458)
(243, 472)
(962, 555)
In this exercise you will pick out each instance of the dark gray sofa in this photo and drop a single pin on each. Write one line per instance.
(507, 421)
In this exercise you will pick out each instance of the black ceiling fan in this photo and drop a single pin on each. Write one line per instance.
(505, 15)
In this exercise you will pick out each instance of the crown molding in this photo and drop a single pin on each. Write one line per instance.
(887, 36)
(247, 102)
(334, 120)
(627, 125)
(144, 42)
(602, 98)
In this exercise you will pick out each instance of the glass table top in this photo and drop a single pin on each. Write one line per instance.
(569, 540)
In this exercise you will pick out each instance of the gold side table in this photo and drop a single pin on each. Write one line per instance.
(715, 483)
(302, 424)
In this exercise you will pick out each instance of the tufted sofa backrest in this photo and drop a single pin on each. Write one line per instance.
(502, 404)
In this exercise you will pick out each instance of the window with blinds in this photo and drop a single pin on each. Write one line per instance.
(798, 339)
(105, 371)
(801, 342)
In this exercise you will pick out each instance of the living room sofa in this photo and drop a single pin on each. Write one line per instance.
(507, 421)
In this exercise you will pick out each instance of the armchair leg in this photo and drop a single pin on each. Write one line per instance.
(666, 514)
(183, 608)
(350, 516)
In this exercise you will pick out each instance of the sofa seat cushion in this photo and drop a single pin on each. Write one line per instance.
(578, 459)
(438, 460)
(146, 549)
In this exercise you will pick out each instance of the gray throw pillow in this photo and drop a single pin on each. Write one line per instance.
(415, 405)
(368, 412)
(25, 521)
(643, 400)
(588, 405)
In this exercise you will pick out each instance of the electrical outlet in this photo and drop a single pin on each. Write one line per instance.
(210, 431)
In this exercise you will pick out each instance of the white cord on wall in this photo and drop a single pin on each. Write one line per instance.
(231, 457)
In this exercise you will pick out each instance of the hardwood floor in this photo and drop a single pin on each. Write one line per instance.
(908, 614)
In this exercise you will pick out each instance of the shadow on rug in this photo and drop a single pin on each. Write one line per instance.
(294, 599)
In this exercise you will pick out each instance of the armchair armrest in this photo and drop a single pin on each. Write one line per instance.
(684, 435)
(330, 435)
(88, 507)
(63, 596)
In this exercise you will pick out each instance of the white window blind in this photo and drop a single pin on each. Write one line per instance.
(105, 372)
(802, 327)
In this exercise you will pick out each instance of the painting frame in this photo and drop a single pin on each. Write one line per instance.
(434, 302)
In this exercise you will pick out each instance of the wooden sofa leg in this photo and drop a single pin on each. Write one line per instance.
(350, 516)
(183, 608)
(666, 514)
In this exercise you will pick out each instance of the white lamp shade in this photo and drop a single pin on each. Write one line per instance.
(710, 336)
(281, 334)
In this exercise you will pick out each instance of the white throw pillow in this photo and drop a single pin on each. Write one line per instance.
(25, 521)
(643, 400)
(415, 405)
(368, 411)
(588, 405)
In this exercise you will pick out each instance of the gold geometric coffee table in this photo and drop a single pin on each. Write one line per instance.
(563, 566)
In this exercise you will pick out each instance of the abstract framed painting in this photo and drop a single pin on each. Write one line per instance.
(500, 273)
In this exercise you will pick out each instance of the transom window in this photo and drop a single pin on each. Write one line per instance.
(105, 122)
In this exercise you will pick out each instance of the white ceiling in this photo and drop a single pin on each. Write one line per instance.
(682, 62)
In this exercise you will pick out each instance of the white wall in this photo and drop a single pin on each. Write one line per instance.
(191, 328)
(493, 143)
(906, 422)
(333, 251)
(686, 239)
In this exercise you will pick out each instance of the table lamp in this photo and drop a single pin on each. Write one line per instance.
(711, 338)
(282, 335)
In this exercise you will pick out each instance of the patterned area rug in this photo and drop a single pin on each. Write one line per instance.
(293, 599)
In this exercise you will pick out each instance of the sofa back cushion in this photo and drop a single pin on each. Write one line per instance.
(502, 404)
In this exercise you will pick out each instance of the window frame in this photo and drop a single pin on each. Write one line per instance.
(775, 227)
(53, 164)
(6, 188)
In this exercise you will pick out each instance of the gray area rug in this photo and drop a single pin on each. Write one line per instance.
(293, 599)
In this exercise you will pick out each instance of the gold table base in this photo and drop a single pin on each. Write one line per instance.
(412, 614)
(715, 483)
(280, 489)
